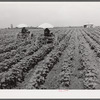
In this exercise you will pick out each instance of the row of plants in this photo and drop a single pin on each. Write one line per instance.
(10, 58)
(10, 78)
(39, 76)
(95, 38)
(67, 65)
(89, 73)
(13, 46)
(20, 53)
(93, 45)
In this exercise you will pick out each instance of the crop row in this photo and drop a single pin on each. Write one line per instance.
(8, 63)
(16, 73)
(13, 46)
(95, 38)
(12, 53)
(39, 76)
(7, 55)
(20, 53)
(93, 45)
(97, 29)
(94, 32)
(88, 70)
(67, 65)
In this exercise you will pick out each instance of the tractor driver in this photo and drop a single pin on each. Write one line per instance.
(24, 30)
(46, 32)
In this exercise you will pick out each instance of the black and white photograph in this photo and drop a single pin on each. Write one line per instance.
(50, 45)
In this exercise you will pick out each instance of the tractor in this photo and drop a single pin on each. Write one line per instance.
(23, 35)
(46, 38)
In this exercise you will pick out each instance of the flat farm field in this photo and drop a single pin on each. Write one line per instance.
(73, 63)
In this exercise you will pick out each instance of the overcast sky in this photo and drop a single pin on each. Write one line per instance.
(55, 13)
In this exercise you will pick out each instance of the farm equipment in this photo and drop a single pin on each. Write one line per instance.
(48, 37)
(23, 35)
(45, 39)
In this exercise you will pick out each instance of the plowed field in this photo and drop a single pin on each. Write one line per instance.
(73, 63)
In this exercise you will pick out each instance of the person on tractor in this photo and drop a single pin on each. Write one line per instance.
(24, 30)
(46, 32)
(48, 37)
(45, 38)
(25, 33)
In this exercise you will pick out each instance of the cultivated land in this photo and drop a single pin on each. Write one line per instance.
(73, 63)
